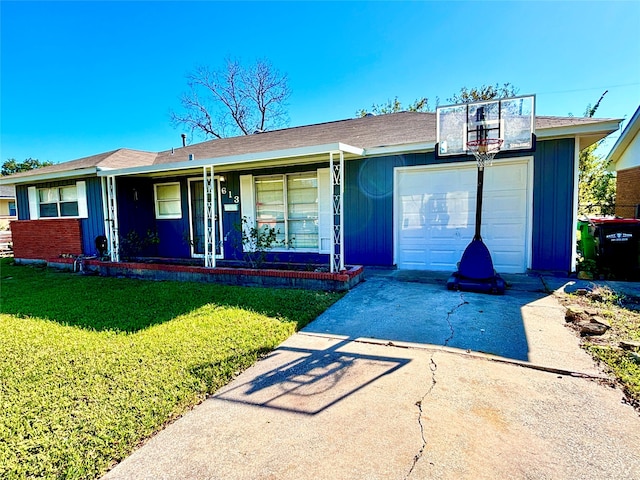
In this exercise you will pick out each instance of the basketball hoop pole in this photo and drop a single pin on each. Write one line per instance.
(479, 190)
(484, 150)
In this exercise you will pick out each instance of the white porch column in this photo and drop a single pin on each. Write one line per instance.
(337, 195)
(111, 218)
(209, 217)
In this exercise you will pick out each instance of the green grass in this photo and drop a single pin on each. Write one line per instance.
(91, 366)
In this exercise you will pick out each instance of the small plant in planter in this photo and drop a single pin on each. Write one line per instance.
(256, 242)
(132, 244)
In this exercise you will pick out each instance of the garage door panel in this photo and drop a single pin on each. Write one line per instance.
(508, 261)
(437, 216)
(444, 259)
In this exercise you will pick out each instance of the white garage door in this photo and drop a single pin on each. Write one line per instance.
(435, 215)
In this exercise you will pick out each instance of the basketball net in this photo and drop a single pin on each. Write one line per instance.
(484, 150)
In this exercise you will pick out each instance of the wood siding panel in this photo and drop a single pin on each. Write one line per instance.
(93, 225)
(368, 207)
(553, 175)
(22, 202)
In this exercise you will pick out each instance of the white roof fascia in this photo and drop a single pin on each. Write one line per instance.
(403, 148)
(550, 133)
(43, 177)
(624, 139)
(238, 159)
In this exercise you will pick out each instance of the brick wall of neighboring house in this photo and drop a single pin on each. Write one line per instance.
(43, 239)
(627, 192)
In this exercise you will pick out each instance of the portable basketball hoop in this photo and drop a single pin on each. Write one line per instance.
(482, 129)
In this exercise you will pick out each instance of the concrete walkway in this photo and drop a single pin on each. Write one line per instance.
(370, 391)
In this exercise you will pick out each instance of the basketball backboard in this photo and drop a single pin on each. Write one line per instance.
(510, 119)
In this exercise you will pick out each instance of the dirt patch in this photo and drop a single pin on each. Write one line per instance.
(609, 326)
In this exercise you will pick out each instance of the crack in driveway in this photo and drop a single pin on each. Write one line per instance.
(433, 367)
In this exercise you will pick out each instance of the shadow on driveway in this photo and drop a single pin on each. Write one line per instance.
(308, 380)
(416, 307)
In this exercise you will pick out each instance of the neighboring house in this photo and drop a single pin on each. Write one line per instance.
(624, 159)
(7, 214)
(366, 191)
(8, 203)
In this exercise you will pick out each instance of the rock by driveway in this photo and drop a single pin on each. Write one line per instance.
(334, 403)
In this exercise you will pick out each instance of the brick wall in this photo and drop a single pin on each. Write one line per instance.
(627, 192)
(42, 239)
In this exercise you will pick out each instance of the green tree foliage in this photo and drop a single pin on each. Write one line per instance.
(11, 166)
(596, 186)
(485, 92)
(465, 95)
(395, 106)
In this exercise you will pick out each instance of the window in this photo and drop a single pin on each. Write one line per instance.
(289, 204)
(168, 202)
(58, 202)
(12, 209)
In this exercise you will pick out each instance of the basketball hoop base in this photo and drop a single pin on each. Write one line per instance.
(475, 272)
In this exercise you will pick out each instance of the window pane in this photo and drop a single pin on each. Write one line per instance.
(168, 192)
(69, 209)
(48, 209)
(303, 233)
(270, 202)
(48, 195)
(12, 209)
(68, 194)
(302, 196)
(269, 191)
(169, 208)
(270, 214)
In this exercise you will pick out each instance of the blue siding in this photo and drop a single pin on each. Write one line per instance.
(22, 202)
(368, 209)
(136, 215)
(553, 205)
(94, 224)
(369, 218)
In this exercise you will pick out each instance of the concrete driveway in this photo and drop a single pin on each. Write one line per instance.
(403, 379)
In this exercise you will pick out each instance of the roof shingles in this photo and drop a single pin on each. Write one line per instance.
(366, 132)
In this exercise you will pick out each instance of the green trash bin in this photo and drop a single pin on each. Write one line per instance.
(587, 242)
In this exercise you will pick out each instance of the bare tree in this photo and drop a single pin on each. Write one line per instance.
(233, 101)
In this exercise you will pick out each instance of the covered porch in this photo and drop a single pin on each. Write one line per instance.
(206, 212)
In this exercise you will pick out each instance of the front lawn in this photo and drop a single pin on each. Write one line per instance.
(91, 366)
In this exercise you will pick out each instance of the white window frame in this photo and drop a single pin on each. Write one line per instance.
(171, 216)
(249, 199)
(81, 200)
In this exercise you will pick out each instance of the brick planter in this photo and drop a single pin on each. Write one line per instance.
(229, 276)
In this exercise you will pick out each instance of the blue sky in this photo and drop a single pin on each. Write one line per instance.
(80, 78)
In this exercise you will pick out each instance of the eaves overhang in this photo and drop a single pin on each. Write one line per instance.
(243, 159)
(49, 176)
(629, 133)
(589, 133)
(398, 149)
